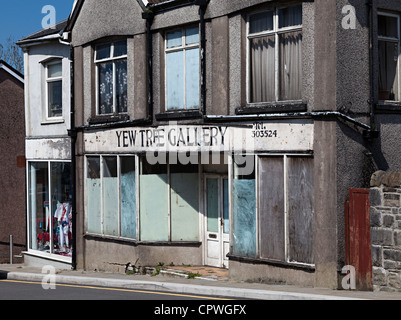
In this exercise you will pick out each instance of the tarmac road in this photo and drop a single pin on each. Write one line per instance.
(31, 290)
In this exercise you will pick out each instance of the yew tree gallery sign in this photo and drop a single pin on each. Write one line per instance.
(259, 137)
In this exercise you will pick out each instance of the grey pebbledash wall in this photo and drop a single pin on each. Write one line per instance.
(385, 222)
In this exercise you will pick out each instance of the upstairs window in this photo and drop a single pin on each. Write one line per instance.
(182, 69)
(275, 55)
(389, 54)
(111, 78)
(54, 87)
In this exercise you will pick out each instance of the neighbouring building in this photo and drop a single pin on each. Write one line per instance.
(48, 148)
(12, 159)
(221, 133)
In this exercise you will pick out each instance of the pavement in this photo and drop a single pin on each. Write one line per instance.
(189, 280)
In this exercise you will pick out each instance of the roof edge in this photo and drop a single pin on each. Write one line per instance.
(12, 71)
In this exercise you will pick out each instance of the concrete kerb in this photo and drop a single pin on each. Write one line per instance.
(239, 293)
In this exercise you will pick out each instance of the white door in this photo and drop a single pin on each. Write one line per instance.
(217, 224)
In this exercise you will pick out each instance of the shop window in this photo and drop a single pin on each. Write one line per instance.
(93, 192)
(153, 202)
(389, 56)
(182, 69)
(275, 55)
(111, 78)
(111, 196)
(286, 209)
(244, 210)
(169, 202)
(128, 197)
(49, 207)
(184, 191)
(54, 87)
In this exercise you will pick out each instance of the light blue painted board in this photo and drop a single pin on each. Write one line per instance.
(192, 78)
(184, 207)
(110, 206)
(244, 218)
(175, 80)
(212, 206)
(93, 190)
(153, 208)
(128, 198)
(174, 39)
(192, 36)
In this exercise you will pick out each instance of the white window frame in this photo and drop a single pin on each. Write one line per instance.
(113, 60)
(276, 33)
(118, 157)
(50, 80)
(184, 47)
(394, 40)
(31, 251)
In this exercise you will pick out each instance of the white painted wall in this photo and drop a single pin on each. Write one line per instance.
(35, 90)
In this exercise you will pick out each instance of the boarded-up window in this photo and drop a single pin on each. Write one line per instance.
(128, 198)
(184, 190)
(244, 213)
(300, 210)
(182, 69)
(271, 199)
(111, 196)
(286, 209)
(153, 202)
(93, 189)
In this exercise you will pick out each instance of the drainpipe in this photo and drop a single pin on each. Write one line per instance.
(149, 16)
(202, 10)
(373, 133)
(73, 135)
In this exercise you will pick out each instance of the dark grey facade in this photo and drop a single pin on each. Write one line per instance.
(336, 133)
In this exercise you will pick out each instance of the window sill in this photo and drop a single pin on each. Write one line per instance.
(102, 119)
(272, 107)
(276, 263)
(388, 106)
(50, 122)
(179, 115)
(92, 236)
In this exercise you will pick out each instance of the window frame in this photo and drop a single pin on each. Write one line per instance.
(30, 250)
(184, 47)
(258, 213)
(101, 195)
(392, 40)
(276, 32)
(113, 60)
(49, 80)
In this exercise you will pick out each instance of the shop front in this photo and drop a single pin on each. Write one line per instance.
(49, 203)
(197, 194)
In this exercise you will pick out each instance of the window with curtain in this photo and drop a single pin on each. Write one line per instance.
(111, 78)
(389, 54)
(182, 69)
(275, 55)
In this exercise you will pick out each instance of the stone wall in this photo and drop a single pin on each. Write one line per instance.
(385, 222)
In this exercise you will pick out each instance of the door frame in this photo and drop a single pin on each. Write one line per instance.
(222, 237)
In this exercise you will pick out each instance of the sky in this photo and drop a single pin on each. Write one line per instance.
(20, 18)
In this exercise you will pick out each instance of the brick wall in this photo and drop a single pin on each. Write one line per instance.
(385, 222)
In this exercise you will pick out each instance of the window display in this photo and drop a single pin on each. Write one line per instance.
(50, 210)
